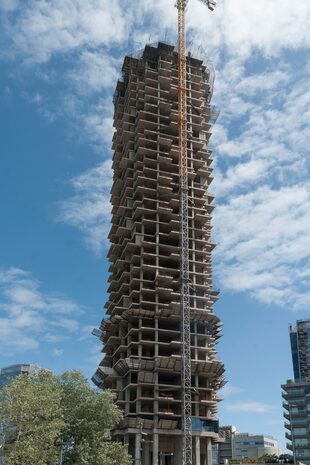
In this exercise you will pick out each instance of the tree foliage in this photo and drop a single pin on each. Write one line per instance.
(269, 458)
(45, 417)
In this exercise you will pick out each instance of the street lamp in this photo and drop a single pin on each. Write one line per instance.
(63, 446)
(140, 423)
(1, 455)
(60, 454)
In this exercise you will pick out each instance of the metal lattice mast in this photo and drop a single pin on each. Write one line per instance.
(187, 456)
(185, 289)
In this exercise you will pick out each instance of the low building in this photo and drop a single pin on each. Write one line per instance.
(243, 446)
(254, 446)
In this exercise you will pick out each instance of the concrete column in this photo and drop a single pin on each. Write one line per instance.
(197, 450)
(126, 441)
(178, 451)
(138, 449)
(209, 451)
(146, 453)
(138, 403)
(155, 448)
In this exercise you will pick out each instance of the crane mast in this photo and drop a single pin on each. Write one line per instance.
(185, 283)
(187, 455)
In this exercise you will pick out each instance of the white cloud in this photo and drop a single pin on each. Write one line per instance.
(67, 323)
(95, 355)
(86, 332)
(99, 127)
(92, 124)
(248, 407)
(94, 72)
(275, 422)
(229, 390)
(57, 352)
(261, 139)
(8, 5)
(253, 85)
(264, 244)
(27, 312)
(261, 182)
(44, 28)
(243, 26)
(13, 339)
(89, 208)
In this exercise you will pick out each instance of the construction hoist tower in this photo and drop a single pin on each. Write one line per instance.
(187, 456)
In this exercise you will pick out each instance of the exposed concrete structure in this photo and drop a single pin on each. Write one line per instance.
(142, 332)
(226, 448)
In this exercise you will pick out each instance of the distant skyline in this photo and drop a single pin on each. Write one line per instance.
(60, 61)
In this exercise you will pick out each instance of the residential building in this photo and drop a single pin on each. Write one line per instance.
(296, 394)
(142, 330)
(300, 348)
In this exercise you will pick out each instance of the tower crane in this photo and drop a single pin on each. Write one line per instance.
(187, 456)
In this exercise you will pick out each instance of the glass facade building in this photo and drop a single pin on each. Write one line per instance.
(300, 347)
(10, 372)
(296, 394)
(6, 375)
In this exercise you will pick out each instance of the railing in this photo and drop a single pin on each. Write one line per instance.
(211, 426)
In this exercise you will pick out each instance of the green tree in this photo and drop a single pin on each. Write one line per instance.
(89, 415)
(46, 418)
(31, 419)
(269, 458)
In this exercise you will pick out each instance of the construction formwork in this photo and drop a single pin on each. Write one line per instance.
(142, 330)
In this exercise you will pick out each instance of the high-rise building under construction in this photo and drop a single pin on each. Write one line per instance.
(142, 330)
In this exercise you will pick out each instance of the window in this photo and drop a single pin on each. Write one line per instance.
(300, 431)
(301, 442)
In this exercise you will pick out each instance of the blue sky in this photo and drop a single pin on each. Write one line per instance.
(59, 63)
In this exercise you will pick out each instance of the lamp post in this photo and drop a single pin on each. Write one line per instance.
(141, 440)
(64, 446)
